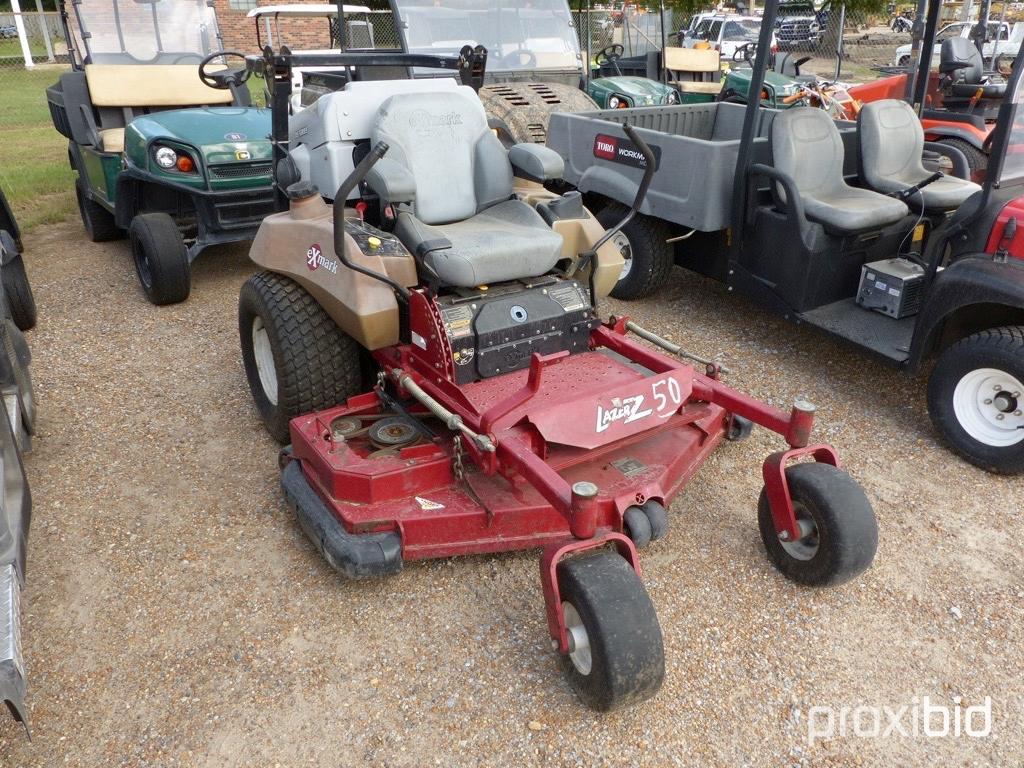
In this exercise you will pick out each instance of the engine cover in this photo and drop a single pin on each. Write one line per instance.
(496, 331)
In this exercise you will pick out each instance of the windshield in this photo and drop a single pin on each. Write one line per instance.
(747, 29)
(133, 32)
(518, 36)
(708, 30)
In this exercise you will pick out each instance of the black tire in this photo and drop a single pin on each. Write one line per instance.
(316, 365)
(904, 61)
(97, 220)
(17, 351)
(161, 258)
(844, 537)
(966, 424)
(650, 257)
(627, 656)
(658, 517)
(18, 291)
(976, 159)
(637, 526)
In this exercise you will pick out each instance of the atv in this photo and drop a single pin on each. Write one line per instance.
(162, 135)
(429, 347)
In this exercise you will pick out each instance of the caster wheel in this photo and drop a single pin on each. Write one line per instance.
(637, 526)
(839, 534)
(616, 656)
(658, 516)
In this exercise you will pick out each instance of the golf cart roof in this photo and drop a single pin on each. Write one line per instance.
(304, 10)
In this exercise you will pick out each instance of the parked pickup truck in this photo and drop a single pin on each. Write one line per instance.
(1002, 39)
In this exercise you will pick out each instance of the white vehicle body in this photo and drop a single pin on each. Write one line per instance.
(1002, 39)
(725, 33)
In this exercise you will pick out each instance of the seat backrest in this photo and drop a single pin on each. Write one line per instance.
(961, 55)
(692, 60)
(150, 85)
(891, 141)
(456, 161)
(807, 147)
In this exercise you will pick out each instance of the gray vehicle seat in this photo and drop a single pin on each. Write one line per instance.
(806, 146)
(891, 142)
(960, 59)
(454, 182)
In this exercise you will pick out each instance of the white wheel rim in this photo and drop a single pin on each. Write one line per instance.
(988, 404)
(621, 242)
(579, 640)
(264, 360)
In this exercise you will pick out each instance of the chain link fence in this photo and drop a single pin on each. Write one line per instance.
(30, 38)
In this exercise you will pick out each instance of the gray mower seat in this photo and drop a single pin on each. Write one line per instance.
(451, 182)
(807, 147)
(891, 142)
(960, 59)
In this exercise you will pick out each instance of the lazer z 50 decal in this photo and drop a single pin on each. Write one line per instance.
(623, 151)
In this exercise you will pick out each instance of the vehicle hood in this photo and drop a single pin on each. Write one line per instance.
(217, 132)
(641, 89)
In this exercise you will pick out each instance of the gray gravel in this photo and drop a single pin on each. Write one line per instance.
(175, 614)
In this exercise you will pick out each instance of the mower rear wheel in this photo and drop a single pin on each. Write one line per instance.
(296, 358)
(648, 257)
(976, 159)
(839, 534)
(161, 258)
(616, 655)
(18, 291)
(97, 220)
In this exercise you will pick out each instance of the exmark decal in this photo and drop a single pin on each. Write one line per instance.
(623, 151)
(315, 259)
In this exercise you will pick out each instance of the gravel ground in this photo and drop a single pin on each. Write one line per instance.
(175, 614)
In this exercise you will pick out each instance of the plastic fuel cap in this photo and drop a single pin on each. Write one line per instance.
(300, 190)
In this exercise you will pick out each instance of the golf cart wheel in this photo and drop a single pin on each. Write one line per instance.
(976, 398)
(839, 534)
(296, 358)
(161, 258)
(648, 258)
(976, 159)
(616, 656)
(18, 291)
(97, 220)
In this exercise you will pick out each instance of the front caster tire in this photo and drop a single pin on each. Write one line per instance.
(840, 534)
(161, 258)
(616, 654)
(976, 399)
(648, 257)
(297, 360)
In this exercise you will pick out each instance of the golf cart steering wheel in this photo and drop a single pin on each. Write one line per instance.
(521, 58)
(223, 79)
(609, 54)
(745, 52)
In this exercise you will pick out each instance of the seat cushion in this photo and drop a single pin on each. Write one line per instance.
(504, 242)
(988, 90)
(112, 139)
(850, 209)
(947, 194)
(151, 85)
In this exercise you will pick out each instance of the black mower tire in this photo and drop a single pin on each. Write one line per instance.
(627, 653)
(97, 220)
(316, 365)
(1001, 349)
(651, 256)
(658, 517)
(18, 291)
(845, 530)
(976, 159)
(161, 258)
(637, 526)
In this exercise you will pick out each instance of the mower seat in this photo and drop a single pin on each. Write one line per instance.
(450, 181)
(807, 148)
(960, 59)
(891, 142)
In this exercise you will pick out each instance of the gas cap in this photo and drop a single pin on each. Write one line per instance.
(518, 313)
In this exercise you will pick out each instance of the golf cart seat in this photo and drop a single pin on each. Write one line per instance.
(450, 180)
(807, 147)
(961, 61)
(891, 142)
(694, 71)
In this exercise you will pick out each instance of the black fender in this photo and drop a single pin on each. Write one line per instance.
(973, 293)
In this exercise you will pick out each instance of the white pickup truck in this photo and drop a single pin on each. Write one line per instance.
(1002, 38)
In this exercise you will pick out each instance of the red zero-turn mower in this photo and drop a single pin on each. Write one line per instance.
(501, 414)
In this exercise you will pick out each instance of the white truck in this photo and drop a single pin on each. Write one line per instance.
(1003, 38)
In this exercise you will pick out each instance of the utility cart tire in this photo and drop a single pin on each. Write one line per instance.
(16, 348)
(616, 652)
(161, 258)
(97, 220)
(637, 526)
(18, 292)
(976, 398)
(976, 159)
(840, 531)
(649, 258)
(296, 358)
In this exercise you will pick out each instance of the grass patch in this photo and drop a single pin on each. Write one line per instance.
(34, 171)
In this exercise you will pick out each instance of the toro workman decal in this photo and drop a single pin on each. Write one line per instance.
(624, 151)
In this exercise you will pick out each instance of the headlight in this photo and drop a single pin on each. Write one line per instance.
(672, 97)
(165, 157)
(614, 102)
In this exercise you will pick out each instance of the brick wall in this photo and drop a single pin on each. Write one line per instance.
(239, 32)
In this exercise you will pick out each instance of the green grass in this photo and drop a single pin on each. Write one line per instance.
(34, 171)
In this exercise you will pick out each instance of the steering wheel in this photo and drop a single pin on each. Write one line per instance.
(223, 79)
(521, 58)
(609, 54)
(745, 52)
